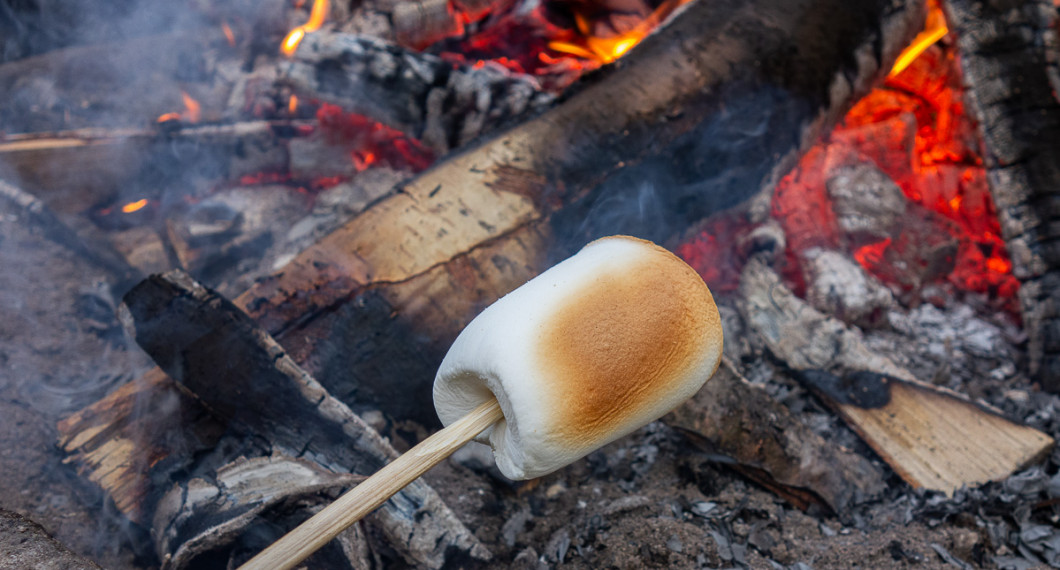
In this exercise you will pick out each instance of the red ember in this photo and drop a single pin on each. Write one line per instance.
(371, 142)
(914, 129)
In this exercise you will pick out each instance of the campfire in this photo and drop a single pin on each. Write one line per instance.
(239, 245)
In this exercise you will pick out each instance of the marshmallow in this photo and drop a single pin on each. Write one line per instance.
(590, 350)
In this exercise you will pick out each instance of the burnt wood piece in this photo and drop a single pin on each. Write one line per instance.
(123, 440)
(245, 378)
(445, 105)
(442, 247)
(1010, 64)
(742, 426)
(244, 506)
(932, 438)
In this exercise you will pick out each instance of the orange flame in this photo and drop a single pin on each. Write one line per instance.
(292, 104)
(607, 50)
(192, 111)
(316, 19)
(229, 34)
(134, 206)
(934, 30)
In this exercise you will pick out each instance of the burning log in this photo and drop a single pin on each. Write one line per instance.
(506, 189)
(932, 438)
(444, 105)
(370, 309)
(741, 426)
(194, 333)
(1008, 55)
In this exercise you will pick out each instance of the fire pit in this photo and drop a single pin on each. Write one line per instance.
(867, 191)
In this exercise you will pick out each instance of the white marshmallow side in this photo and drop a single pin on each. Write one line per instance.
(494, 356)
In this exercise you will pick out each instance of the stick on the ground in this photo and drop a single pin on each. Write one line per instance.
(308, 537)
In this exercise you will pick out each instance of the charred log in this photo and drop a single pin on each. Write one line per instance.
(240, 373)
(1009, 59)
(444, 105)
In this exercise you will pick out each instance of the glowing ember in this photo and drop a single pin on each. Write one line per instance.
(871, 255)
(914, 130)
(317, 15)
(363, 159)
(264, 178)
(135, 206)
(229, 35)
(371, 143)
(192, 111)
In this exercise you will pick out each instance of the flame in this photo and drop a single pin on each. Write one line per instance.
(934, 30)
(607, 50)
(316, 19)
(134, 206)
(192, 111)
(229, 35)
(292, 104)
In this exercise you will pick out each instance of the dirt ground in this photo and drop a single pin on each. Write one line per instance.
(648, 501)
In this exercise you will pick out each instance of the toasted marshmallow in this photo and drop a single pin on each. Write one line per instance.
(590, 350)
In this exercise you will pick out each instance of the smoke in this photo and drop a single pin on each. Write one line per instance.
(737, 152)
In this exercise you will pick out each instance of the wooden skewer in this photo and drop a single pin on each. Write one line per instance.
(351, 507)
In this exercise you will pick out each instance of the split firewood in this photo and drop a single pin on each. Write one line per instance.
(932, 438)
(197, 337)
(743, 427)
(1008, 56)
(446, 106)
(370, 309)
